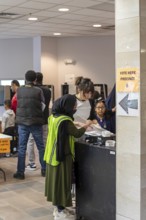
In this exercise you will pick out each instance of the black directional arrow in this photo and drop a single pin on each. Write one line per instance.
(125, 103)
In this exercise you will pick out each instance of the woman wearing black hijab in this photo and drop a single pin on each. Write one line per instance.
(59, 155)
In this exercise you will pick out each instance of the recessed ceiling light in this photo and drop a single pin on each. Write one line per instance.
(63, 9)
(57, 34)
(97, 25)
(32, 18)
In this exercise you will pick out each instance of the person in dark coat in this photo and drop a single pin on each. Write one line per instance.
(29, 118)
(31, 143)
(111, 104)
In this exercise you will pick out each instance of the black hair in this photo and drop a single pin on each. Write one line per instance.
(100, 99)
(84, 84)
(7, 102)
(39, 77)
(96, 95)
(15, 82)
(30, 76)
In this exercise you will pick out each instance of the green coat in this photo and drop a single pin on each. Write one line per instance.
(59, 178)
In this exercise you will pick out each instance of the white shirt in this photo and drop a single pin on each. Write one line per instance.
(83, 111)
(8, 119)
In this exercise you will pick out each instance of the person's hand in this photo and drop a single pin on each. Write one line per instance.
(114, 109)
(79, 124)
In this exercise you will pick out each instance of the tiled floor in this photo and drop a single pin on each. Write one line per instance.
(23, 199)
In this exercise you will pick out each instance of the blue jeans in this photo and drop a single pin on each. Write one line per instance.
(24, 132)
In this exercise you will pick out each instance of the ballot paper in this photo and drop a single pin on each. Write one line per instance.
(80, 119)
(93, 133)
(93, 129)
(96, 130)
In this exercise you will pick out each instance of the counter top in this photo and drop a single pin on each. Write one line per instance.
(3, 136)
(83, 140)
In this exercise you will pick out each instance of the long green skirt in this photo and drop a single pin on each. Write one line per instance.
(59, 182)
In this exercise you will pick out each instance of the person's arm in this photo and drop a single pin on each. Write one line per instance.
(14, 103)
(76, 132)
(4, 119)
(114, 109)
(42, 98)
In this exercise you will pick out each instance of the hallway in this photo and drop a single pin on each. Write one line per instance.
(22, 199)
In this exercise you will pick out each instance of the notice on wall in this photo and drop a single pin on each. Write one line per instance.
(128, 80)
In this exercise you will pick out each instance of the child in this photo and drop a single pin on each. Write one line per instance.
(59, 155)
(102, 115)
(8, 117)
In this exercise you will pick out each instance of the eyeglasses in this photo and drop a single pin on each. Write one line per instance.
(100, 108)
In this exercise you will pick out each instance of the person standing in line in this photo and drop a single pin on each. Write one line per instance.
(59, 155)
(14, 86)
(29, 117)
(30, 145)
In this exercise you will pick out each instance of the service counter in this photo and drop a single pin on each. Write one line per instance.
(95, 168)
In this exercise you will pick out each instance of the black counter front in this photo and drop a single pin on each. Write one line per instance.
(95, 181)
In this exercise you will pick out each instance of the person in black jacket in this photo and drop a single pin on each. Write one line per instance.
(29, 117)
(30, 145)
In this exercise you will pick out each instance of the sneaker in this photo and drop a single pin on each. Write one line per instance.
(19, 176)
(63, 215)
(55, 211)
(69, 210)
(43, 173)
(31, 166)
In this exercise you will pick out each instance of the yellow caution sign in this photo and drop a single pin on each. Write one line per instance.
(128, 80)
(5, 145)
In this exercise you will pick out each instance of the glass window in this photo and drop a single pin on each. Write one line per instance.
(7, 82)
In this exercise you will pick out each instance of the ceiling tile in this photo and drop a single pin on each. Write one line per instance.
(37, 5)
(82, 3)
(12, 2)
(77, 22)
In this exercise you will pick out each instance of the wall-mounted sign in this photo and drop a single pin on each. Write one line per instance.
(128, 104)
(127, 87)
(128, 80)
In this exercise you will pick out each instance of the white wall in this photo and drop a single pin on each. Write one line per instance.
(37, 54)
(16, 57)
(94, 56)
(49, 62)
